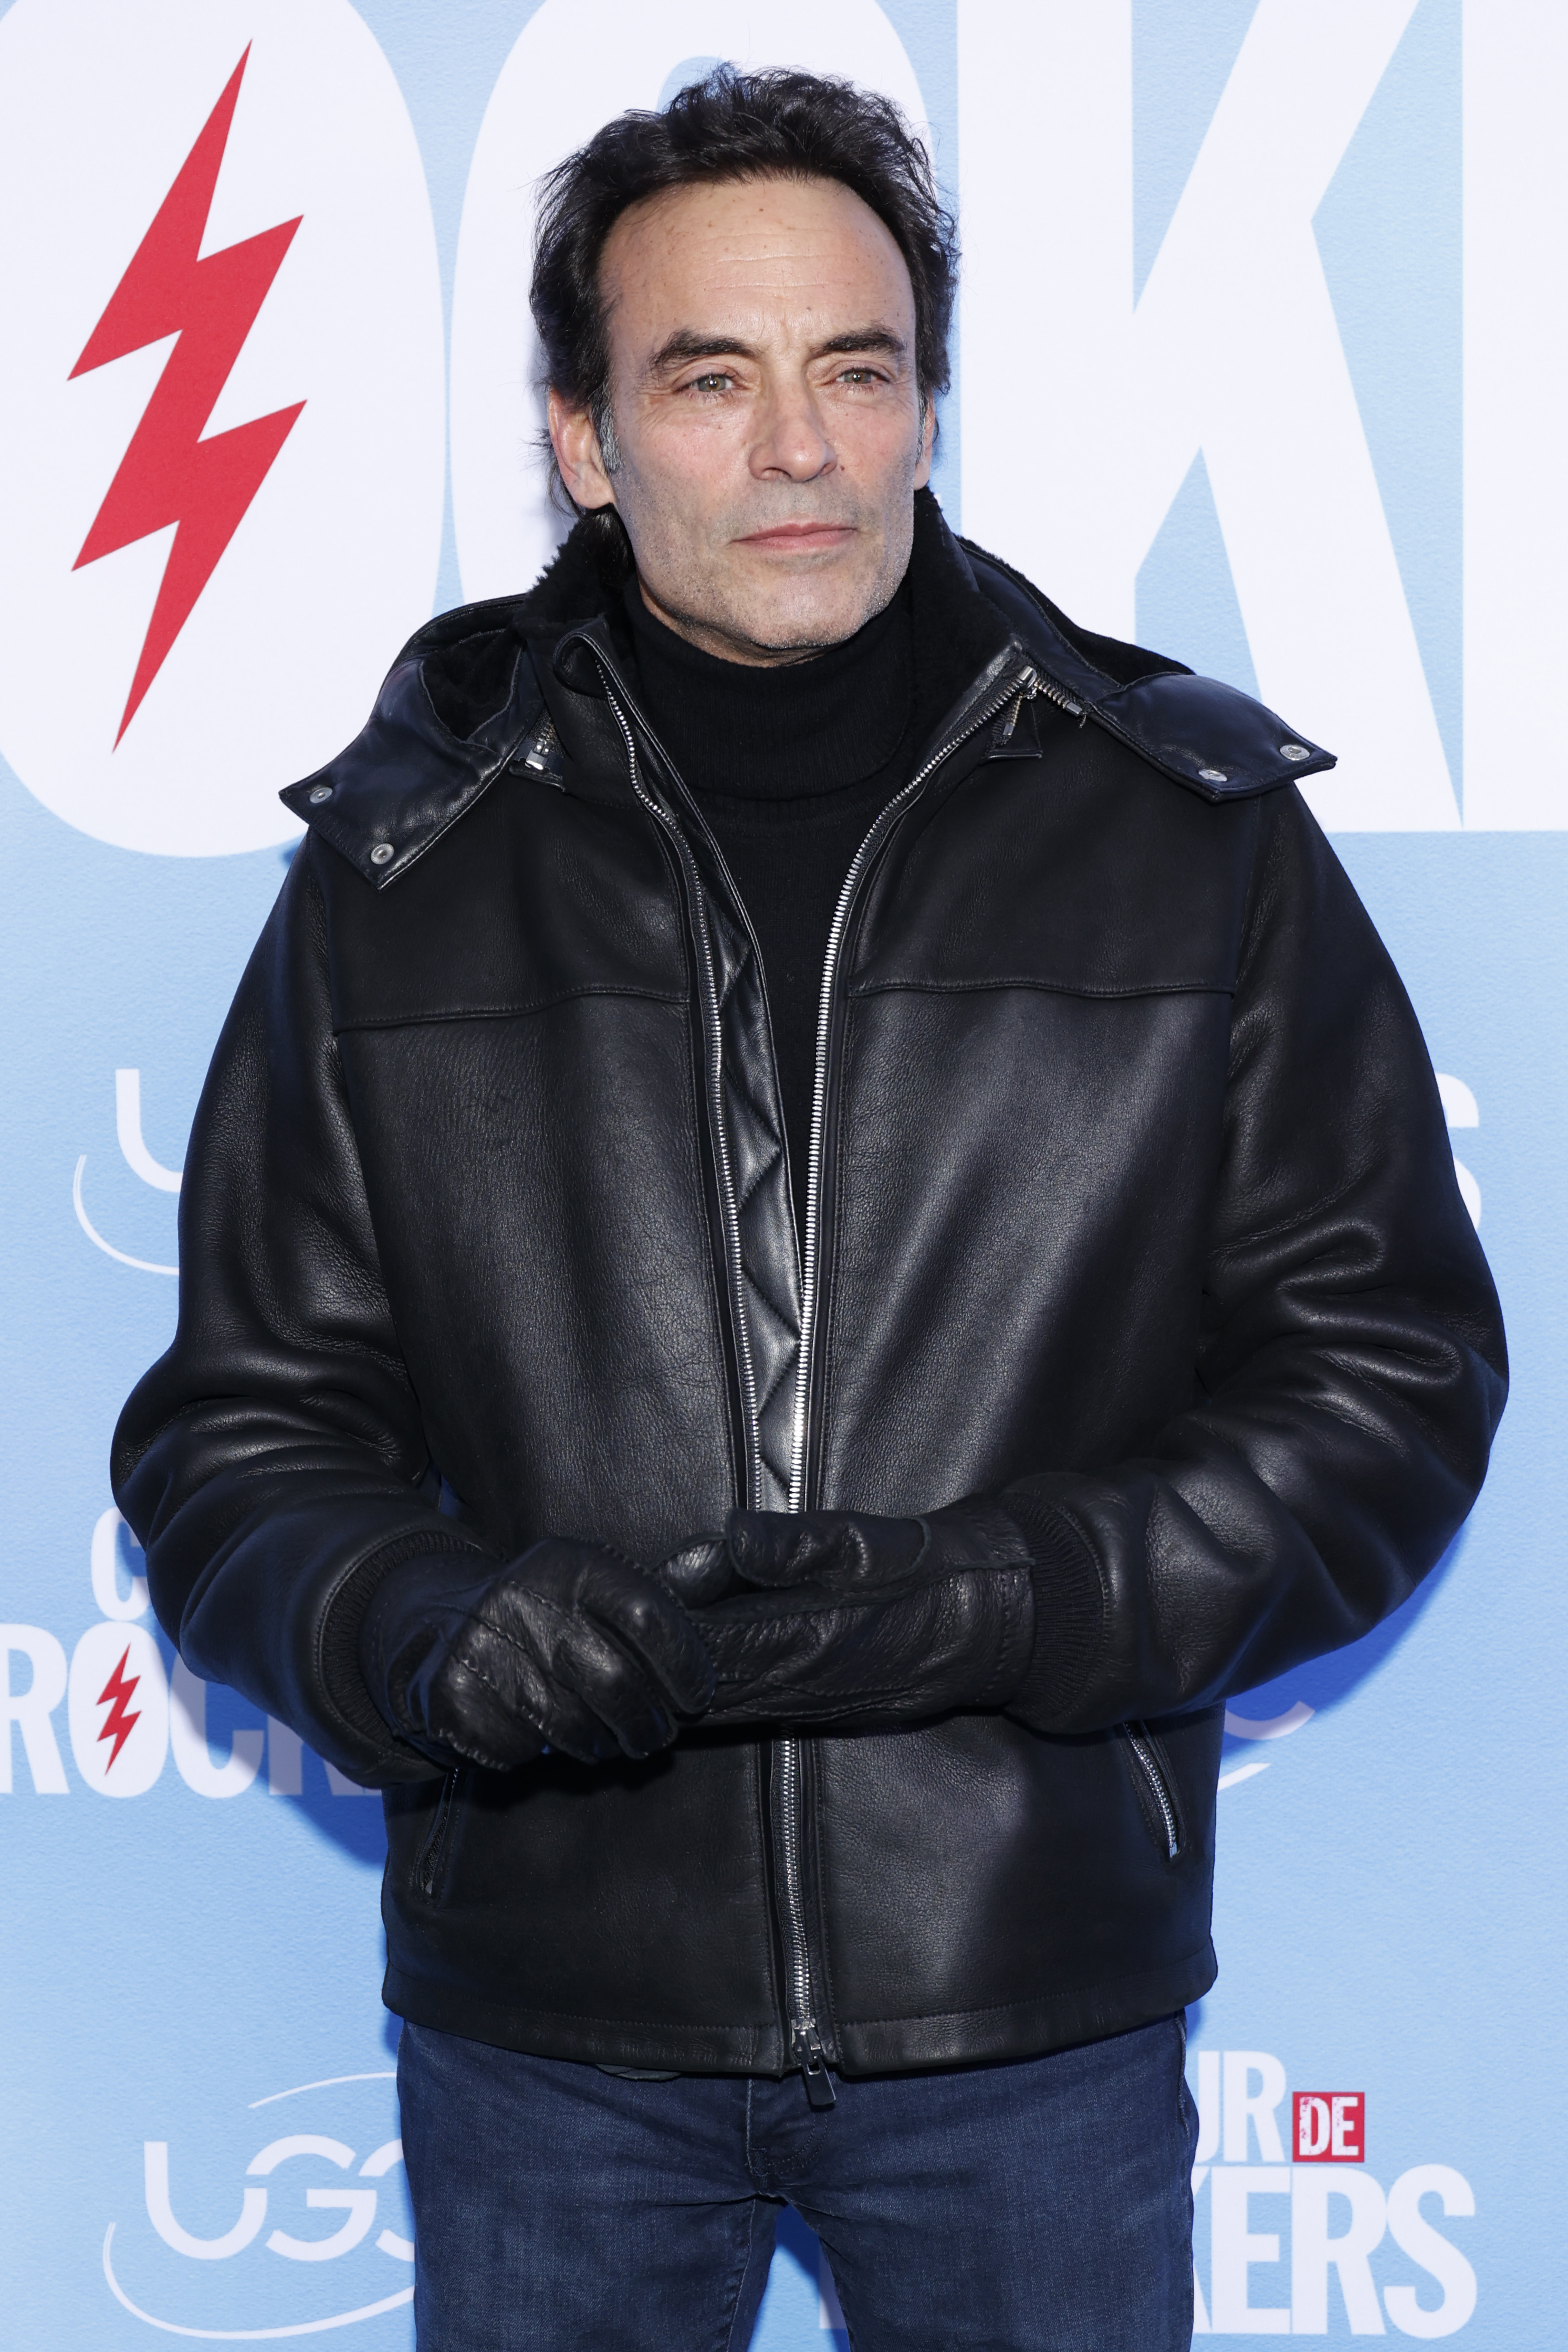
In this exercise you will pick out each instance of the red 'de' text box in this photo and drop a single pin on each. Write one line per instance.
(1329, 2126)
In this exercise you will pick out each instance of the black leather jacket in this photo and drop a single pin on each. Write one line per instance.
(1132, 1185)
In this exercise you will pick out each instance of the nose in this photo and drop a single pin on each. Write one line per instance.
(793, 442)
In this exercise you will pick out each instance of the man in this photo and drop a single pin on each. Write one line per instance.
(819, 1221)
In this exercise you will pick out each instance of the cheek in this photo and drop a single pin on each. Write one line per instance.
(689, 452)
(885, 435)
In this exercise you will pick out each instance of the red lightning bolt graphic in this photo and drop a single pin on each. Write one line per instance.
(119, 1723)
(169, 474)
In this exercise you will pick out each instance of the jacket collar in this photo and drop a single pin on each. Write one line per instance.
(961, 642)
(504, 685)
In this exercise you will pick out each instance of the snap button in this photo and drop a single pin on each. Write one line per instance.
(381, 853)
(1212, 776)
(1294, 751)
(322, 793)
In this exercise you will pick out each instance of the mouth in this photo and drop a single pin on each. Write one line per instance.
(798, 538)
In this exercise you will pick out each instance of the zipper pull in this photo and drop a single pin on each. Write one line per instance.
(1028, 687)
(539, 756)
(813, 2064)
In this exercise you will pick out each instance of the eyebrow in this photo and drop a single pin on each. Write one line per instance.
(686, 345)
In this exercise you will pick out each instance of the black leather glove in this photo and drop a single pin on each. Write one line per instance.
(570, 1647)
(839, 1617)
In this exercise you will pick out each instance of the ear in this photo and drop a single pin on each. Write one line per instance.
(927, 443)
(578, 454)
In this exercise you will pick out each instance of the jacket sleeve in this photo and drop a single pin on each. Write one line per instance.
(1351, 1368)
(272, 1461)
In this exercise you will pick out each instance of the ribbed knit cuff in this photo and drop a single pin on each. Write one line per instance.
(1069, 1612)
(342, 1670)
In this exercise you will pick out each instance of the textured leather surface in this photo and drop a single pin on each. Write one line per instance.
(569, 1648)
(813, 1655)
(757, 1161)
(1210, 736)
(1138, 1212)
(844, 1618)
(361, 801)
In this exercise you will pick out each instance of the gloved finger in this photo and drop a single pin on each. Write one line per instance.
(650, 1624)
(697, 1571)
(844, 1551)
(496, 1685)
(463, 1711)
(591, 1667)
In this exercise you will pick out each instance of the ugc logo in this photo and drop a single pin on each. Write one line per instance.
(292, 2223)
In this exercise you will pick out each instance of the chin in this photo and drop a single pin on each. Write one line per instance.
(783, 625)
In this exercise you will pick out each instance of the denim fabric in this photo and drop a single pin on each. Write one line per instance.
(1039, 2207)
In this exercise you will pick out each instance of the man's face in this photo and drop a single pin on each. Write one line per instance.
(770, 435)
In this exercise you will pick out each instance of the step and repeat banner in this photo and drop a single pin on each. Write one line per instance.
(1259, 360)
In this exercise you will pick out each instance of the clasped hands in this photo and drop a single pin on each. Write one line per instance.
(817, 1618)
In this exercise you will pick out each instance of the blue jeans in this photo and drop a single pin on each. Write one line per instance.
(1044, 2206)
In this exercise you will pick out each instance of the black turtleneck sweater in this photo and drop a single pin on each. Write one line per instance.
(791, 766)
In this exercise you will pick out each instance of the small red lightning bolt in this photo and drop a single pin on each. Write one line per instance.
(119, 1723)
(169, 474)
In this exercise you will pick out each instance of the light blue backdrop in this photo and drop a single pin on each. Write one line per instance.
(197, 1973)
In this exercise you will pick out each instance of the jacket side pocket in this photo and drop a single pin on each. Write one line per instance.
(430, 1862)
(1155, 1787)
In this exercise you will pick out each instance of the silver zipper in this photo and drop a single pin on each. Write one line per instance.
(1041, 686)
(805, 2038)
(1157, 1790)
(1020, 689)
(1053, 693)
(537, 756)
(727, 1196)
(805, 2041)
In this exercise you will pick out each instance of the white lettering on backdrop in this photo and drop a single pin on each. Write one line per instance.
(1233, 350)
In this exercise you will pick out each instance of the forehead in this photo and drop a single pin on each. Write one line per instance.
(744, 248)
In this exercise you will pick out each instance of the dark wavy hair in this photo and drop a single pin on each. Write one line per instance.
(732, 126)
